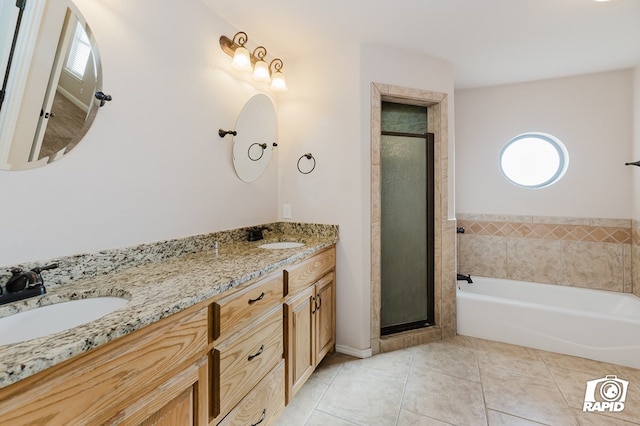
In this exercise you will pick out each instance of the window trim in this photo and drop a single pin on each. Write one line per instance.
(560, 148)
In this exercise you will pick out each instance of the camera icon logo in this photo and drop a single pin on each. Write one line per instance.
(606, 394)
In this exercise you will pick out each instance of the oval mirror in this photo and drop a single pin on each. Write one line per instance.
(50, 81)
(255, 139)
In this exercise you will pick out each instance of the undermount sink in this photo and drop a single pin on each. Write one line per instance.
(55, 318)
(281, 245)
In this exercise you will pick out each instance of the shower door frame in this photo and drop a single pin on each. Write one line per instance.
(444, 256)
(429, 140)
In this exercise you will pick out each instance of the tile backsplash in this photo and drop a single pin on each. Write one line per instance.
(580, 252)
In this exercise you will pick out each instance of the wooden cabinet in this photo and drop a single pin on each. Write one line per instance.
(152, 376)
(310, 318)
(220, 362)
(247, 366)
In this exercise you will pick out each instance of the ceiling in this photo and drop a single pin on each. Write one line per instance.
(489, 42)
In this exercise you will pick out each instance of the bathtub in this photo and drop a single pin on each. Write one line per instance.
(600, 325)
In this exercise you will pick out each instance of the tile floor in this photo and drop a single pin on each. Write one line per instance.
(461, 381)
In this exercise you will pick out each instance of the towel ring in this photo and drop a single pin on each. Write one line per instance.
(308, 156)
(261, 145)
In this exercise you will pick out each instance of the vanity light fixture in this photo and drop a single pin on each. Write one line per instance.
(277, 77)
(243, 60)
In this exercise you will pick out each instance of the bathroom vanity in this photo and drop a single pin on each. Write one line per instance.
(212, 337)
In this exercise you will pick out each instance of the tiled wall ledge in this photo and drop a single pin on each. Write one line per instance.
(89, 265)
(580, 252)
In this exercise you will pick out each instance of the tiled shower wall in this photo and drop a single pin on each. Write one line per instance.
(581, 252)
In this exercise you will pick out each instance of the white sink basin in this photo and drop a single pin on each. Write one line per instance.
(281, 245)
(55, 318)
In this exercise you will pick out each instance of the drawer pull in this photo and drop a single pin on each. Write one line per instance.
(314, 306)
(318, 303)
(250, 357)
(264, 415)
(252, 301)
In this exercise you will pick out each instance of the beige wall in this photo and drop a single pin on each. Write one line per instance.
(591, 114)
(329, 115)
(152, 166)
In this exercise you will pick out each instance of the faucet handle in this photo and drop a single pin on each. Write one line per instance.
(45, 268)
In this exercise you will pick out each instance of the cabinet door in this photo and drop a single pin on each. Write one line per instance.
(325, 316)
(300, 337)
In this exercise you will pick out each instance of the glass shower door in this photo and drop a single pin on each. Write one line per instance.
(407, 219)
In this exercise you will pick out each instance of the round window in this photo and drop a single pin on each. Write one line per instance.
(534, 160)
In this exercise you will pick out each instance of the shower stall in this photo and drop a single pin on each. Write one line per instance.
(407, 219)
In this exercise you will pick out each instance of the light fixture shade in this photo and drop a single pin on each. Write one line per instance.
(278, 83)
(241, 59)
(261, 71)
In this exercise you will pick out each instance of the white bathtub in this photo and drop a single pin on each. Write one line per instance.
(593, 324)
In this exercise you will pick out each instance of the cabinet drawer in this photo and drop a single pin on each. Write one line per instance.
(246, 305)
(241, 362)
(263, 404)
(309, 271)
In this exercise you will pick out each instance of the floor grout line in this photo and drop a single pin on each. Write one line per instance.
(404, 389)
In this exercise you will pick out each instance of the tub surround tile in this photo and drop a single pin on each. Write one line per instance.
(506, 218)
(534, 260)
(627, 272)
(158, 286)
(635, 269)
(597, 266)
(483, 255)
(596, 253)
(603, 234)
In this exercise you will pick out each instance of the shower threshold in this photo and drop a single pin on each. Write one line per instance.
(399, 328)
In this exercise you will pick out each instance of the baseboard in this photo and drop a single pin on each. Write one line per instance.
(358, 353)
(77, 102)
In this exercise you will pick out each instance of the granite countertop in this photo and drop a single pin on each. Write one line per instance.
(155, 290)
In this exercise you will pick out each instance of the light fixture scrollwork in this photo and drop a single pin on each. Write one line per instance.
(245, 61)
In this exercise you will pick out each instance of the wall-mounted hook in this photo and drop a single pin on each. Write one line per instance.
(635, 163)
(223, 133)
(308, 156)
(103, 97)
